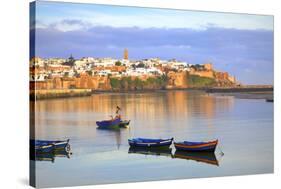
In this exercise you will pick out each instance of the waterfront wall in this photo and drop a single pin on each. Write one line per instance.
(177, 80)
(172, 80)
(82, 82)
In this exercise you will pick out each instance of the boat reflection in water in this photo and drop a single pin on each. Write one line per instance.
(50, 156)
(204, 157)
(151, 151)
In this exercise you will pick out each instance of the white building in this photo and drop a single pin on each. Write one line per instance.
(178, 64)
(105, 62)
(54, 61)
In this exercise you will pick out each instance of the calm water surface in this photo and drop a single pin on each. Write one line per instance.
(244, 128)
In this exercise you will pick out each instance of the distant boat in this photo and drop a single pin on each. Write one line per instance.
(150, 143)
(269, 100)
(124, 123)
(204, 157)
(196, 146)
(151, 151)
(48, 146)
(109, 124)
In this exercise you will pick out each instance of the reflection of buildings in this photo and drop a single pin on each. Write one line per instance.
(137, 106)
(126, 54)
(158, 114)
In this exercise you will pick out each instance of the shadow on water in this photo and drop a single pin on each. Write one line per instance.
(203, 157)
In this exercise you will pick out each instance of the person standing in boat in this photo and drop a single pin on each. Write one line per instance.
(118, 109)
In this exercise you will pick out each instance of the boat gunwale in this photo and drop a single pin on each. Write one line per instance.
(201, 145)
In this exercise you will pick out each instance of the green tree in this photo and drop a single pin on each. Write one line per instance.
(90, 72)
(141, 65)
(197, 81)
(115, 83)
(138, 83)
(118, 63)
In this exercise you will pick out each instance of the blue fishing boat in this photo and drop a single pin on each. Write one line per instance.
(109, 124)
(150, 143)
(48, 146)
(196, 146)
(58, 144)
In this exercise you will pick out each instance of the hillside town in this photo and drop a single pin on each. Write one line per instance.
(123, 74)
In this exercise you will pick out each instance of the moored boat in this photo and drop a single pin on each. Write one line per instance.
(58, 144)
(196, 146)
(109, 124)
(48, 146)
(150, 143)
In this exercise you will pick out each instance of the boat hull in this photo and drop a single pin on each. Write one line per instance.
(48, 146)
(45, 149)
(124, 124)
(150, 143)
(57, 144)
(197, 146)
(109, 124)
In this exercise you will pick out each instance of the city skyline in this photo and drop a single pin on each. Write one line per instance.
(240, 44)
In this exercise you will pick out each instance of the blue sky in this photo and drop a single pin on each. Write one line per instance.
(241, 44)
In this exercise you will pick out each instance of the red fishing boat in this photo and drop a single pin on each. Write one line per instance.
(209, 146)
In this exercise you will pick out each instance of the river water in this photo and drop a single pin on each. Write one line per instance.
(244, 128)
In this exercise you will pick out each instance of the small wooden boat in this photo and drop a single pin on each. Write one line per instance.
(48, 146)
(204, 157)
(150, 143)
(109, 124)
(124, 123)
(196, 146)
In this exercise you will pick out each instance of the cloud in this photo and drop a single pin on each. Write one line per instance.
(69, 25)
(232, 50)
(123, 16)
